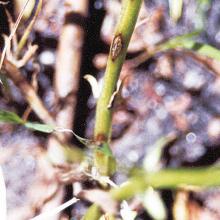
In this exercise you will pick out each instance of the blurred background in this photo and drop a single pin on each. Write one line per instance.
(171, 88)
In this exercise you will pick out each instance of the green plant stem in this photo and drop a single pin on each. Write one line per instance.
(122, 36)
(168, 178)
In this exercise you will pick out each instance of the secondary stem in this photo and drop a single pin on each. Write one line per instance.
(168, 178)
(122, 36)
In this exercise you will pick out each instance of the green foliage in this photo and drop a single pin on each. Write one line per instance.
(93, 213)
(178, 41)
(39, 127)
(203, 49)
(168, 178)
(104, 160)
(84, 141)
(73, 154)
(10, 117)
(186, 42)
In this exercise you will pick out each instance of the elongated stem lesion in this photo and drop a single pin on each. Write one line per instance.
(122, 36)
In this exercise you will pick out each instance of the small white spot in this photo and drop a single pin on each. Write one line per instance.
(191, 137)
(47, 57)
(160, 89)
(133, 156)
(193, 80)
(214, 128)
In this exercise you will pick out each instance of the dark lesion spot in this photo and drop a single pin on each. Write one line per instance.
(100, 139)
(116, 47)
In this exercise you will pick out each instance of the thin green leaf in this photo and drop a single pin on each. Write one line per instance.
(10, 117)
(185, 41)
(84, 141)
(39, 127)
(203, 49)
(178, 41)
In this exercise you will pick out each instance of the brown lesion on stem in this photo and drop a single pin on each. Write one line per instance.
(100, 139)
(116, 48)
